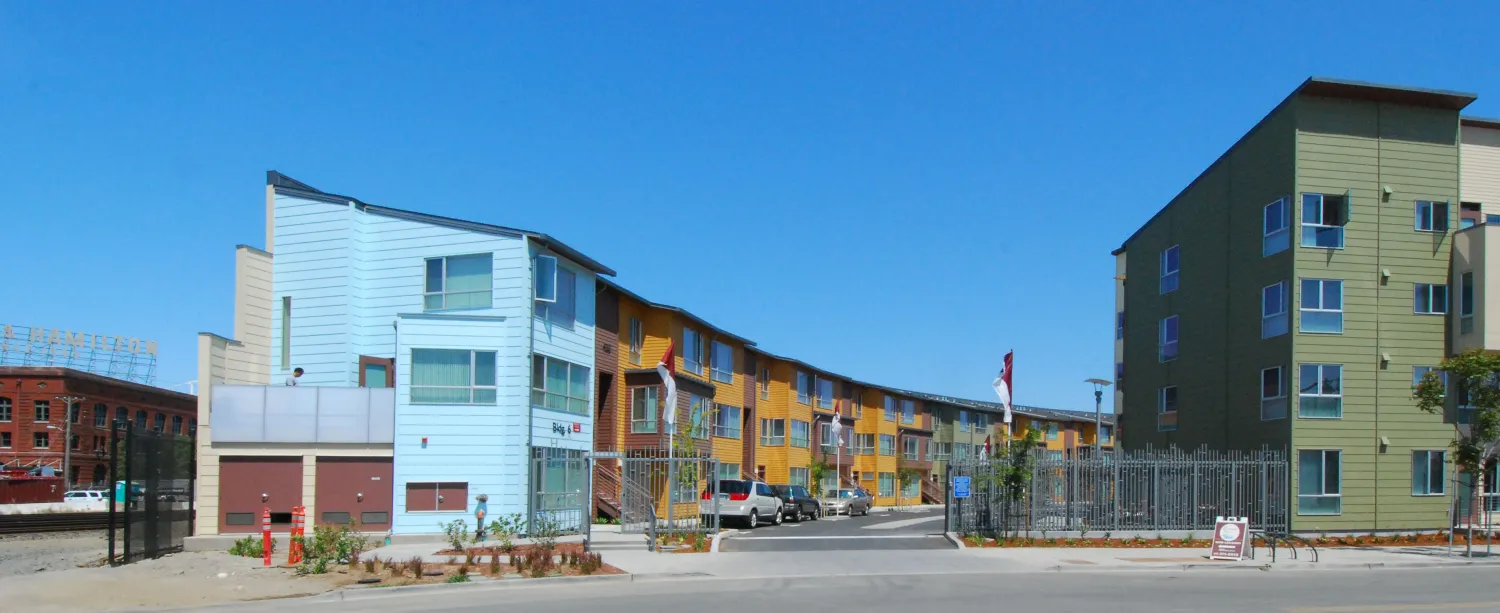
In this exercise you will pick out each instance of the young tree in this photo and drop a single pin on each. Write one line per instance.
(1011, 470)
(1476, 376)
(817, 469)
(905, 477)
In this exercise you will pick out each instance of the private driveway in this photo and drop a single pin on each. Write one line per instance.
(890, 530)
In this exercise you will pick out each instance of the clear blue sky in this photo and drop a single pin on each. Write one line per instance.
(892, 193)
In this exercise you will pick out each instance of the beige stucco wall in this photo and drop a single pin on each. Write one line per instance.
(1479, 167)
(1474, 250)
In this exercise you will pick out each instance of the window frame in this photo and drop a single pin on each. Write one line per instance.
(562, 309)
(700, 414)
(1434, 223)
(887, 450)
(803, 441)
(1163, 422)
(1320, 393)
(1119, 325)
(765, 383)
(1269, 321)
(1466, 302)
(1169, 277)
(101, 415)
(645, 398)
(442, 293)
(773, 431)
(1321, 308)
(1323, 471)
(1426, 459)
(1430, 295)
(908, 411)
(723, 425)
(717, 371)
(44, 437)
(1051, 430)
(804, 388)
(1274, 241)
(1269, 403)
(911, 449)
(41, 412)
(473, 379)
(637, 339)
(1319, 224)
(860, 440)
(1161, 338)
(818, 385)
(588, 386)
(7, 410)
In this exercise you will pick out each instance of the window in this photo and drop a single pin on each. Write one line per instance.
(375, 372)
(643, 410)
(160, 423)
(1120, 326)
(1166, 408)
(459, 282)
(4, 440)
(286, 333)
(1466, 303)
(555, 384)
(1322, 393)
(692, 351)
(5, 409)
(723, 362)
(637, 340)
(727, 421)
(556, 292)
(908, 412)
(963, 420)
(75, 414)
(1108, 433)
(729, 471)
(437, 496)
(1273, 311)
(140, 420)
(1277, 228)
(887, 485)
(101, 415)
(825, 393)
(1323, 220)
(1322, 306)
(176, 424)
(826, 441)
(911, 449)
(887, 444)
(1469, 215)
(911, 488)
(1432, 216)
(942, 451)
(1169, 269)
(699, 413)
(1120, 377)
(772, 432)
(961, 451)
(804, 388)
(1427, 469)
(890, 408)
(1272, 394)
(1319, 473)
(765, 384)
(859, 405)
(1166, 348)
(452, 376)
(1051, 430)
(40, 440)
(864, 444)
(1430, 299)
(798, 476)
(801, 434)
(73, 444)
(41, 412)
(981, 422)
(1419, 372)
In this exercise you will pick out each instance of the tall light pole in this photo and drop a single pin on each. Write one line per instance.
(1099, 385)
(71, 402)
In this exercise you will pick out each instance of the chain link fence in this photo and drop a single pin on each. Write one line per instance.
(152, 499)
(1144, 491)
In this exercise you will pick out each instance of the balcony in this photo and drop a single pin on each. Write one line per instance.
(281, 414)
(1469, 302)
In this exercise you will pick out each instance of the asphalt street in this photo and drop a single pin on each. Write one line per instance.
(1459, 590)
(877, 531)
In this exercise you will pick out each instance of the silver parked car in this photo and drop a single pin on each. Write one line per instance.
(743, 500)
(847, 502)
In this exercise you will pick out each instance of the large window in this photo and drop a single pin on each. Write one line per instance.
(643, 410)
(101, 414)
(452, 376)
(722, 357)
(1051, 430)
(556, 292)
(1166, 348)
(801, 433)
(962, 451)
(981, 422)
(1170, 266)
(159, 424)
(1166, 408)
(1277, 228)
(942, 451)
(798, 476)
(459, 282)
(825, 393)
(804, 388)
(1420, 372)
(1427, 470)
(963, 420)
(1432, 216)
(1272, 394)
(730, 471)
(692, 351)
(1273, 312)
(1108, 434)
(1323, 220)
(1322, 306)
(890, 408)
(826, 440)
(637, 340)
(1466, 303)
(765, 384)
(559, 385)
(1321, 395)
(727, 421)
(887, 485)
(1430, 299)
(911, 449)
(699, 410)
(140, 419)
(888, 444)
(5, 442)
(908, 411)
(1120, 325)
(1319, 482)
(562, 478)
(772, 432)
(864, 444)
(859, 405)
(41, 412)
(5, 409)
(40, 440)
(176, 424)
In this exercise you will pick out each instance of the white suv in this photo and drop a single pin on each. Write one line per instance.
(83, 496)
(746, 500)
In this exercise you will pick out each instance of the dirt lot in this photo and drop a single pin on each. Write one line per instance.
(26, 554)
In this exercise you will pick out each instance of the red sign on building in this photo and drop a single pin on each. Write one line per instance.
(1231, 535)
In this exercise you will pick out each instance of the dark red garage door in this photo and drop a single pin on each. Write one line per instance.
(355, 489)
(247, 485)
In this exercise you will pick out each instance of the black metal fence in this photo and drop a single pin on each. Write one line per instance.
(152, 498)
(1145, 491)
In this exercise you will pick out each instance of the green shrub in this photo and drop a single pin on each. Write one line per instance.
(459, 578)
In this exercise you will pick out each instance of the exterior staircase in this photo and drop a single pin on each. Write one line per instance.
(932, 492)
(606, 491)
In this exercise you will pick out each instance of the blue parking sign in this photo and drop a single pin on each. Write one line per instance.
(960, 487)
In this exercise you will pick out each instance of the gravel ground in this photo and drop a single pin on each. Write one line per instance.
(26, 554)
(180, 580)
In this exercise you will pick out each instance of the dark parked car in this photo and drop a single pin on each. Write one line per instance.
(797, 503)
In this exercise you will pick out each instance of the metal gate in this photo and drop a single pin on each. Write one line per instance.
(153, 475)
(560, 491)
(658, 495)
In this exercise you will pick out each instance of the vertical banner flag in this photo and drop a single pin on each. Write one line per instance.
(1002, 384)
(837, 427)
(666, 368)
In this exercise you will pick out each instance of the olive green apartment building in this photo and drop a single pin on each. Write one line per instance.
(1288, 297)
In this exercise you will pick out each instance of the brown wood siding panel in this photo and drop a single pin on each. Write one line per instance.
(453, 496)
(421, 496)
(359, 487)
(242, 481)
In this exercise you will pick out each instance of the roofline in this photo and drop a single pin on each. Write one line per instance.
(1480, 122)
(1330, 88)
(63, 371)
(667, 307)
(284, 184)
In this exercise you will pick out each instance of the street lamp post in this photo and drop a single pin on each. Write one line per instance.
(1099, 385)
(71, 402)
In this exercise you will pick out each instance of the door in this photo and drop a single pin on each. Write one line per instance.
(355, 490)
(248, 485)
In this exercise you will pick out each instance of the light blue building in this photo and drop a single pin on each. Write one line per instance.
(485, 332)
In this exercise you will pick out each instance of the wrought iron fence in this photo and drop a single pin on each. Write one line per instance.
(661, 495)
(560, 491)
(1149, 490)
(153, 473)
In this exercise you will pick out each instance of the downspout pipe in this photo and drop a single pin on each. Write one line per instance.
(526, 394)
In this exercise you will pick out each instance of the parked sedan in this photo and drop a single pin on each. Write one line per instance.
(847, 502)
(744, 500)
(797, 503)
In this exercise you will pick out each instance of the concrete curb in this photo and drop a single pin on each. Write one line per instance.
(955, 539)
(367, 593)
(713, 546)
(1267, 567)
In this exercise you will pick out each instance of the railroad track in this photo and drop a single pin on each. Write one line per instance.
(56, 522)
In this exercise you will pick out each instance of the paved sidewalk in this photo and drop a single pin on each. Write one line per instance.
(1038, 559)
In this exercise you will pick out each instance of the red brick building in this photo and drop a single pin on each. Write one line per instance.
(34, 413)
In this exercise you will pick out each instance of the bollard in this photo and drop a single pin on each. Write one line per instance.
(265, 534)
(299, 520)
